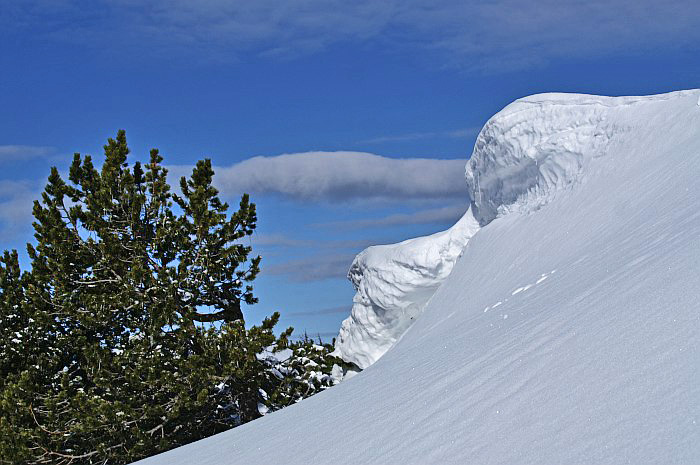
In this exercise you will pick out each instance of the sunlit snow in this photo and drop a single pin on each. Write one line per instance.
(564, 332)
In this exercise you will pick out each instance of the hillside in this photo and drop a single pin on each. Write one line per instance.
(567, 329)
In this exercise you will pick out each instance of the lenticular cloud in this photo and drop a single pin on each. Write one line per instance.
(346, 176)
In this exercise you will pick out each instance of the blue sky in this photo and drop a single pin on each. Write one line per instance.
(410, 82)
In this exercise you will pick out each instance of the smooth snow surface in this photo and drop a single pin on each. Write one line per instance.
(394, 282)
(567, 331)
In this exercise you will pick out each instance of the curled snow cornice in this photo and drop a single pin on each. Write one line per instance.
(538, 145)
(394, 282)
(525, 154)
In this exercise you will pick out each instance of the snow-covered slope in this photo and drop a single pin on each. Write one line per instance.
(567, 331)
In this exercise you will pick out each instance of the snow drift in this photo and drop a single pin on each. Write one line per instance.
(394, 282)
(527, 152)
(539, 145)
(566, 332)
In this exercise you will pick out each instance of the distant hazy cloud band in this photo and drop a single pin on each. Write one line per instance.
(323, 311)
(314, 176)
(16, 199)
(23, 152)
(282, 240)
(343, 176)
(497, 35)
(447, 214)
(315, 268)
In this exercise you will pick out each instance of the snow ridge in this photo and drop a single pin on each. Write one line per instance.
(525, 154)
(538, 145)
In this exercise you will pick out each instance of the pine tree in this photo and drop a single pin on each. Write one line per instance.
(127, 337)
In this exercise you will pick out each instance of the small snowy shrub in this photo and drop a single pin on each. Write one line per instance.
(302, 369)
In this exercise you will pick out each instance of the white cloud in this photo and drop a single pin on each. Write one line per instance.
(23, 152)
(342, 176)
(510, 34)
(494, 35)
(454, 134)
(312, 176)
(16, 200)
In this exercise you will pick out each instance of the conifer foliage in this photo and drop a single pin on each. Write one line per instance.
(126, 337)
